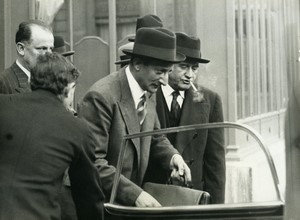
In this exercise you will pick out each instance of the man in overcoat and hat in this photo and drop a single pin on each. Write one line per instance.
(123, 103)
(182, 103)
(148, 20)
(60, 47)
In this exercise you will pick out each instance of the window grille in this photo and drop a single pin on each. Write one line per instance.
(260, 57)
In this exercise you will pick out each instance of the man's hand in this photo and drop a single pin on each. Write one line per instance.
(180, 170)
(146, 200)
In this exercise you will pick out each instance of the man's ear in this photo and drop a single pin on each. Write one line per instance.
(20, 48)
(137, 64)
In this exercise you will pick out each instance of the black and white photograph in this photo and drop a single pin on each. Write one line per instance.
(149, 109)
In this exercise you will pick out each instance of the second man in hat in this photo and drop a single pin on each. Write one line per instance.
(183, 103)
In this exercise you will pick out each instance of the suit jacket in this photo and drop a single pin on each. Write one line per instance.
(39, 140)
(292, 153)
(14, 80)
(204, 150)
(108, 107)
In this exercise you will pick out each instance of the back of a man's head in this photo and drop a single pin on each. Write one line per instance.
(24, 31)
(53, 72)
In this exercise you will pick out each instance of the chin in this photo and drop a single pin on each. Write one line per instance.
(184, 87)
(153, 90)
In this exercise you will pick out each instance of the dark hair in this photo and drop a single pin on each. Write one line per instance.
(53, 72)
(24, 31)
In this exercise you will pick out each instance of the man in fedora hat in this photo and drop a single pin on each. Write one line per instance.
(122, 103)
(60, 46)
(124, 58)
(149, 20)
(178, 103)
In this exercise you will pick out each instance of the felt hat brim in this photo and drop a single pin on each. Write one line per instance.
(68, 53)
(131, 39)
(198, 60)
(179, 56)
(122, 61)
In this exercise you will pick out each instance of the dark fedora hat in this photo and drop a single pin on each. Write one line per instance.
(147, 21)
(124, 58)
(60, 46)
(156, 43)
(190, 47)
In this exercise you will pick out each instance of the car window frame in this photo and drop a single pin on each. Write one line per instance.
(261, 208)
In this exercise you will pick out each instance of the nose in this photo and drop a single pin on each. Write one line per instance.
(189, 73)
(46, 50)
(164, 79)
(49, 50)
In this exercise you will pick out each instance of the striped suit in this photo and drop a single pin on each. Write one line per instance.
(14, 80)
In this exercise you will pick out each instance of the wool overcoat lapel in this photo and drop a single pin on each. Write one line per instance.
(162, 109)
(128, 111)
(22, 79)
(146, 141)
(193, 112)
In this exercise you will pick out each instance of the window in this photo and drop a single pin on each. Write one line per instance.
(260, 65)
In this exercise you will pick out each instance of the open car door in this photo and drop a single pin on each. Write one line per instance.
(252, 183)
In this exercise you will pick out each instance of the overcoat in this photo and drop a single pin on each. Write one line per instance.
(39, 140)
(203, 150)
(14, 80)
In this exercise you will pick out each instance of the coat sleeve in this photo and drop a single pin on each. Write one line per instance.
(3, 83)
(85, 182)
(292, 154)
(214, 156)
(99, 113)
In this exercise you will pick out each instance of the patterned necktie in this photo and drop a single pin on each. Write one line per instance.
(141, 109)
(175, 109)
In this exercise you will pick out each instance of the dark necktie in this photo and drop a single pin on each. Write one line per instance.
(141, 109)
(175, 109)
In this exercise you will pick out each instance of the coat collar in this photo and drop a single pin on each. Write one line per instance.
(127, 105)
(128, 111)
(22, 78)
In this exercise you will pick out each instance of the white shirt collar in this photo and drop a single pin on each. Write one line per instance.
(136, 91)
(167, 92)
(26, 71)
